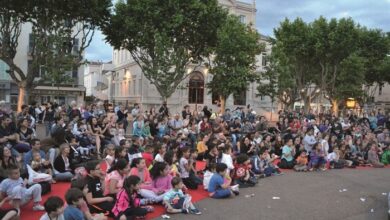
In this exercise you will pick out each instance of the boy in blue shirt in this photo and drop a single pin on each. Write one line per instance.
(74, 198)
(218, 188)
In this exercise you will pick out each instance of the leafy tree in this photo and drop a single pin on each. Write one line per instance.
(234, 64)
(277, 82)
(335, 43)
(294, 51)
(165, 37)
(55, 28)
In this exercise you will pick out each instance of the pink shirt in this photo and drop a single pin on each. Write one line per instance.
(114, 175)
(162, 183)
(146, 180)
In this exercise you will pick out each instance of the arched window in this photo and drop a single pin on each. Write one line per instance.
(196, 88)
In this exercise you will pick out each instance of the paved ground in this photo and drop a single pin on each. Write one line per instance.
(306, 196)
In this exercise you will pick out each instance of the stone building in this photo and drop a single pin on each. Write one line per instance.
(128, 85)
(60, 93)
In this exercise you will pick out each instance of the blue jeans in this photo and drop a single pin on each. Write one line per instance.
(221, 193)
(48, 126)
(235, 137)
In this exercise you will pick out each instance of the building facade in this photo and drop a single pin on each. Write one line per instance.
(129, 85)
(95, 79)
(60, 93)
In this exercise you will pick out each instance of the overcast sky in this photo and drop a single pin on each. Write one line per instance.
(369, 13)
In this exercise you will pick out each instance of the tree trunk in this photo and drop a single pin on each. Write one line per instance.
(335, 106)
(306, 104)
(222, 99)
(21, 98)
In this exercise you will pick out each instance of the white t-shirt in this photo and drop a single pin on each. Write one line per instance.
(159, 158)
(183, 172)
(227, 159)
(332, 157)
(206, 179)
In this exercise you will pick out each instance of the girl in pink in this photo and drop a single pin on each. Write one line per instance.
(146, 189)
(161, 178)
(128, 204)
(115, 177)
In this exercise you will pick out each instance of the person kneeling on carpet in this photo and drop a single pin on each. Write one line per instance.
(218, 187)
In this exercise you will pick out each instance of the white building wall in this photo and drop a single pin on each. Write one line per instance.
(135, 88)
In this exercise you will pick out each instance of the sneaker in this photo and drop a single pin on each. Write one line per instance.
(235, 187)
(38, 208)
(184, 211)
(195, 211)
(236, 192)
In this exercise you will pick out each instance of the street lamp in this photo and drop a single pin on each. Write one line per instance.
(350, 103)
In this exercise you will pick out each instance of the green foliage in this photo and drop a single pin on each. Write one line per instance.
(56, 27)
(165, 37)
(234, 64)
(350, 79)
(278, 83)
(336, 56)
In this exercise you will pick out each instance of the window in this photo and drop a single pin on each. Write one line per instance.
(196, 88)
(380, 90)
(240, 98)
(75, 72)
(242, 19)
(76, 45)
(31, 43)
(264, 59)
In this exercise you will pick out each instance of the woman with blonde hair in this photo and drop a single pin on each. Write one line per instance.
(62, 164)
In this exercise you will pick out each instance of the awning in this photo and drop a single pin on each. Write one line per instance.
(60, 88)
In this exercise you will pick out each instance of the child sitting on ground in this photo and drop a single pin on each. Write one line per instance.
(171, 160)
(262, 165)
(219, 188)
(54, 207)
(208, 174)
(176, 201)
(385, 158)
(242, 175)
(148, 155)
(15, 188)
(110, 155)
(160, 151)
(83, 152)
(82, 184)
(74, 198)
(41, 165)
(193, 172)
(317, 160)
(128, 203)
(186, 166)
(334, 159)
(227, 158)
(146, 189)
(301, 162)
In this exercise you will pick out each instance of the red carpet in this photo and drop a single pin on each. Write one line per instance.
(59, 189)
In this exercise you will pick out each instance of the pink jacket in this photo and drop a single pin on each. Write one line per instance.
(123, 202)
